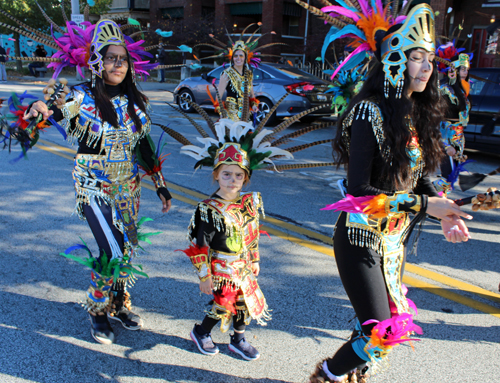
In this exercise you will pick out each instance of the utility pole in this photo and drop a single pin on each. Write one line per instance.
(77, 17)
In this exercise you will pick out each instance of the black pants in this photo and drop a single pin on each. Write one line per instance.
(209, 323)
(361, 272)
(100, 237)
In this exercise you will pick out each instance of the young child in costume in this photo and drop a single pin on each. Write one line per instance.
(225, 228)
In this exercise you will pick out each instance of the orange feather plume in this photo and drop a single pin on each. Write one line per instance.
(370, 25)
(375, 208)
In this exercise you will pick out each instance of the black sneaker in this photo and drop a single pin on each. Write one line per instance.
(127, 318)
(245, 349)
(101, 329)
(204, 343)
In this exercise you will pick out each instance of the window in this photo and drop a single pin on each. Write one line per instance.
(257, 74)
(476, 86)
(172, 13)
(216, 72)
(291, 25)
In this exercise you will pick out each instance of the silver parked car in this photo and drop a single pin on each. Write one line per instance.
(271, 82)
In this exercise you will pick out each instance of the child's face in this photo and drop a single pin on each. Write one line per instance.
(230, 179)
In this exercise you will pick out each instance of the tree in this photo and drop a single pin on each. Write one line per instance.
(28, 12)
(100, 7)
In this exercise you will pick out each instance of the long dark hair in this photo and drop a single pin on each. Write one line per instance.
(425, 110)
(127, 88)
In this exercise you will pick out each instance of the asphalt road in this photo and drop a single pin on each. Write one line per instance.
(45, 332)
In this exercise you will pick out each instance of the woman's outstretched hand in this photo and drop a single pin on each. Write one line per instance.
(445, 209)
(39, 107)
(455, 230)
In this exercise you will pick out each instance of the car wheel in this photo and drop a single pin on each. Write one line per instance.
(183, 104)
(265, 107)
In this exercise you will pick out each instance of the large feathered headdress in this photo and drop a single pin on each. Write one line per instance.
(367, 23)
(79, 47)
(240, 143)
(453, 56)
(249, 46)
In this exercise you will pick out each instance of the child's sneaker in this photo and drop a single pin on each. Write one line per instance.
(245, 349)
(204, 342)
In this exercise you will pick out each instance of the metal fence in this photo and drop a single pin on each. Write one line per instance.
(315, 68)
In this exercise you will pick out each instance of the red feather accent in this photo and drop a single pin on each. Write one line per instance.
(194, 250)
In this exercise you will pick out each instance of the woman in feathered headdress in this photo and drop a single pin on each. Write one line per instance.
(242, 54)
(388, 138)
(455, 89)
(109, 117)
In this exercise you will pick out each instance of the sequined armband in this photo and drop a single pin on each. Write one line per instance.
(201, 261)
(158, 180)
(403, 203)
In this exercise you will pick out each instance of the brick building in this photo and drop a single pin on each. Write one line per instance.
(480, 21)
(193, 20)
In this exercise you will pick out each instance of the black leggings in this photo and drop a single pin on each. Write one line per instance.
(209, 323)
(100, 237)
(361, 272)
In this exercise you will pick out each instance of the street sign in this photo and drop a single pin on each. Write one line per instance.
(79, 19)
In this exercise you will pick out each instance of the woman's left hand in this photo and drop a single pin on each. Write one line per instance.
(166, 204)
(455, 230)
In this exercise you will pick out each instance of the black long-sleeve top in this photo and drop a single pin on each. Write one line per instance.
(366, 162)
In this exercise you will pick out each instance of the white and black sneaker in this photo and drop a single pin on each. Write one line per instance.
(243, 348)
(100, 329)
(204, 342)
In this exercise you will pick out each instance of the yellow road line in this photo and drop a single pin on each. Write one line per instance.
(445, 293)
(411, 268)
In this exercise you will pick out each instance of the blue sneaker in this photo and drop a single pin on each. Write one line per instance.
(204, 343)
(245, 349)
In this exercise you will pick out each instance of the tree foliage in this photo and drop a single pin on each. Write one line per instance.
(100, 7)
(28, 12)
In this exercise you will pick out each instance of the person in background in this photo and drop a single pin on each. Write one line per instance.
(39, 52)
(162, 58)
(3, 59)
